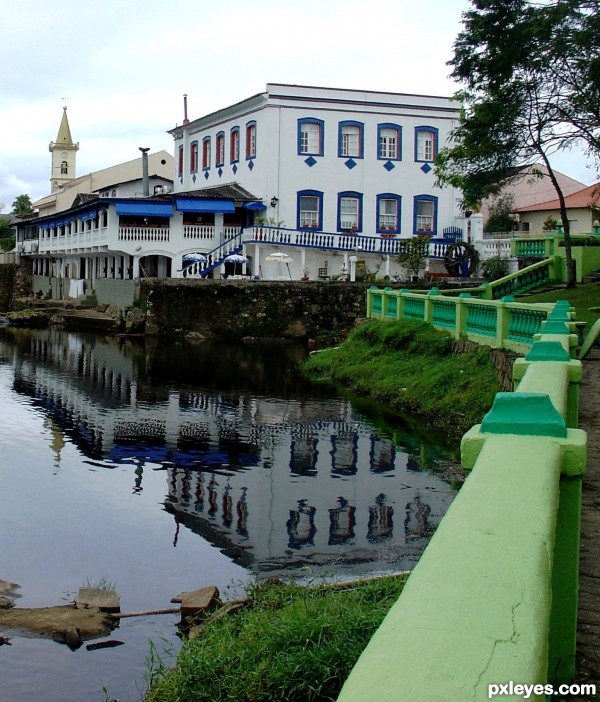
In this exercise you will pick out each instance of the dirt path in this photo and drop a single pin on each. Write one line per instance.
(588, 628)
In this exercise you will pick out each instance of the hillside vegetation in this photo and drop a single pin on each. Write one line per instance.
(410, 368)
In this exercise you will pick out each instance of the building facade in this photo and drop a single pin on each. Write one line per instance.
(328, 181)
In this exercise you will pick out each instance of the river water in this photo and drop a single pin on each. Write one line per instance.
(161, 468)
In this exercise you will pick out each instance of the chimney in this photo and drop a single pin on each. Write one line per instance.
(145, 177)
(185, 112)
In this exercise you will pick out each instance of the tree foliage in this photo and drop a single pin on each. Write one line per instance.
(530, 73)
(500, 217)
(413, 254)
(22, 205)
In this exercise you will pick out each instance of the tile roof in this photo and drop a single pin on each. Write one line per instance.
(586, 198)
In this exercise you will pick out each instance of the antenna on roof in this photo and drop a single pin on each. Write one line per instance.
(185, 112)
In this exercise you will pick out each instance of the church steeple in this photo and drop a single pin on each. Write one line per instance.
(63, 152)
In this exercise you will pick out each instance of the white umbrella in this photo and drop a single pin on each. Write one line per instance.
(191, 259)
(235, 258)
(280, 257)
(194, 258)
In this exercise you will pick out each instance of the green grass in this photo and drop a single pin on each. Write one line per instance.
(410, 368)
(582, 297)
(290, 643)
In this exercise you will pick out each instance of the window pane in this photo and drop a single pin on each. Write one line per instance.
(388, 214)
(310, 138)
(309, 211)
(350, 145)
(425, 215)
(425, 143)
(388, 143)
(348, 212)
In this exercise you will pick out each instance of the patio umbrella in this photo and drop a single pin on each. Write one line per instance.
(235, 259)
(190, 259)
(280, 257)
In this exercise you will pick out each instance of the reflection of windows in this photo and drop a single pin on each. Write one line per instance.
(310, 136)
(388, 213)
(425, 143)
(425, 214)
(381, 520)
(301, 527)
(251, 140)
(194, 157)
(342, 521)
(234, 145)
(350, 139)
(388, 142)
(350, 211)
(220, 149)
(206, 153)
(310, 206)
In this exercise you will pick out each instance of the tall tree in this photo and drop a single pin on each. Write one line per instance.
(22, 205)
(530, 73)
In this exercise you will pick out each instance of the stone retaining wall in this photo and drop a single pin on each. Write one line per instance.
(501, 359)
(240, 309)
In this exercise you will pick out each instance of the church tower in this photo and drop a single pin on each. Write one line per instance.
(64, 153)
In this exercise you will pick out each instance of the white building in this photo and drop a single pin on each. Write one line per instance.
(333, 178)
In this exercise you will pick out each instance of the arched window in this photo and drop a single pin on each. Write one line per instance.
(220, 149)
(194, 157)
(426, 143)
(309, 209)
(349, 213)
(350, 139)
(251, 140)
(234, 145)
(388, 213)
(425, 214)
(389, 142)
(311, 133)
(206, 153)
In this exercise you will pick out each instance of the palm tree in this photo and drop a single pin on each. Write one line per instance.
(22, 206)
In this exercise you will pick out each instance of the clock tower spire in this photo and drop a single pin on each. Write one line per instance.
(63, 152)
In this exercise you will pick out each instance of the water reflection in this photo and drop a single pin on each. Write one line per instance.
(273, 473)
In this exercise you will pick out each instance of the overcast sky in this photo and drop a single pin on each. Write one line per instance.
(124, 65)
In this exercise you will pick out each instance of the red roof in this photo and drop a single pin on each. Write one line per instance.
(587, 198)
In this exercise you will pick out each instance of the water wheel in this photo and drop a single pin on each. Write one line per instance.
(460, 259)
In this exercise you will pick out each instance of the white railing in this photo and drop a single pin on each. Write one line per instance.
(198, 231)
(152, 234)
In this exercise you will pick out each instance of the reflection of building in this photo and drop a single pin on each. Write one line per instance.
(261, 477)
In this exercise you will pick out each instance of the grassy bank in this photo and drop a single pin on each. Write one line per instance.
(289, 643)
(581, 298)
(409, 368)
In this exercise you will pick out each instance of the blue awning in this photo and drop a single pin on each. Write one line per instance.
(88, 215)
(254, 206)
(188, 204)
(144, 209)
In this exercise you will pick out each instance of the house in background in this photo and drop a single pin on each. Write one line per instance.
(532, 186)
(583, 208)
(338, 172)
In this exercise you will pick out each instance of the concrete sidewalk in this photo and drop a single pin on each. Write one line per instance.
(588, 627)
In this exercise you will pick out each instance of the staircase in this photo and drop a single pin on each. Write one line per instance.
(215, 257)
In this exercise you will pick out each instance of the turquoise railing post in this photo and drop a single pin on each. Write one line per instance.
(429, 304)
(461, 314)
(503, 320)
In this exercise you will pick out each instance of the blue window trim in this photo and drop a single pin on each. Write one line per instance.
(204, 141)
(251, 123)
(436, 134)
(428, 198)
(389, 196)
(194, 170)
(309, 193)
(398, 128)
(311, 120)
(361, 138)
(359, 197)
(217, 161)
(231, 158)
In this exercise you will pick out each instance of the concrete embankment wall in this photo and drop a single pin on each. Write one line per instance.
(238, 309)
